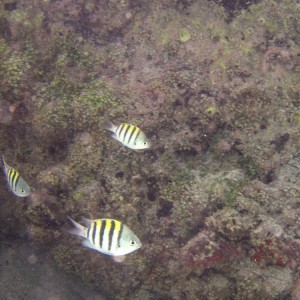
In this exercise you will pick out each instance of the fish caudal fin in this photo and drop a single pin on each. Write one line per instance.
(3, 162)
(78, 230)
(110, 126)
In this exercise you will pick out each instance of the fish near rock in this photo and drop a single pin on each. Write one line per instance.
(129, 135)
(16, 182)
(107, 236)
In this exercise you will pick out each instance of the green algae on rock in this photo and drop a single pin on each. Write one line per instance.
(184, 35)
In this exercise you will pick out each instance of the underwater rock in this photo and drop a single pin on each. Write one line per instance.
(216, 285)
(216, 200)
(204, 251)
(267, 283)
(296, 289)
(230, 224)
(6, 112)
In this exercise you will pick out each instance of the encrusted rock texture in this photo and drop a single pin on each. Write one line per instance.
(215, 86)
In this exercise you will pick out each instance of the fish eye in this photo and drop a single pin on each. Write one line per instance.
(145, 143)
(22, 191)
(132, 243)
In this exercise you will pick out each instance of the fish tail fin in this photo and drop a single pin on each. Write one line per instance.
(110, 126)
(4, 164)
(78, 229)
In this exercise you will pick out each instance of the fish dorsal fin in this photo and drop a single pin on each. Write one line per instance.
(86, 222)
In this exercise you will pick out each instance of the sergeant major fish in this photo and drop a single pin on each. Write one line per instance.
(129, 135)
(15, 181)
(107, 236)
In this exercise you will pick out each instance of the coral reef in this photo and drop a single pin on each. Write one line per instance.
(215, 87)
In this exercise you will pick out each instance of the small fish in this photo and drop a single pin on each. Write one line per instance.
(107, 236)
(129, 135)
(15, 181)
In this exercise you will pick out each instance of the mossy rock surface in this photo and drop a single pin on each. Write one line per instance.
(214, 200)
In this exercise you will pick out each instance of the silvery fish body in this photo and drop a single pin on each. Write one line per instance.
(129, 135)
(15, 181)
(107, 236)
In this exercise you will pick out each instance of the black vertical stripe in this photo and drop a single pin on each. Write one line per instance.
(120, 235)
(111, 233)
(122, 127)
(126, 132)
(132, 133)
(136, 137)
(103, 225)
(94, 231)
(88, 232)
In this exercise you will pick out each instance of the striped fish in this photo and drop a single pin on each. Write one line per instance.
(15, 181)
(129, 135)
(107, 236)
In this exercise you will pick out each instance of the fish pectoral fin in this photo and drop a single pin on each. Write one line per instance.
(119, 258)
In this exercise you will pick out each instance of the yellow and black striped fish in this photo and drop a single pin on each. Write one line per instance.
(129, 135)
(108, 236)
(15, 181)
